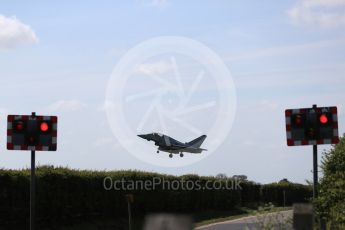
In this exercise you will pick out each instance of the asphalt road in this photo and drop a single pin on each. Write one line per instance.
(275, 220)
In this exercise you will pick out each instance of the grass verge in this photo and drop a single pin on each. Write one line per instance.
(236, 214)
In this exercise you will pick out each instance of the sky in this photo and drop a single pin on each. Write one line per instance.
(59, 58)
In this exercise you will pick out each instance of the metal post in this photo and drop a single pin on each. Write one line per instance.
(315, 172)
(315, 169)
(129, 215)
(32, 191)
(315, 184)
(32, 187)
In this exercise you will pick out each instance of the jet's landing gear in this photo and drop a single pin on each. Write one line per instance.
(170, 155)
(181, 154)
(157, 151)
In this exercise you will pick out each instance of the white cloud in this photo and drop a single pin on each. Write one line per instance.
(154, 69)
(265, 104)
(13, 33)
(105, 141)
(321, 13)
(288, 49)
(116, 52)
(106, 105)
(154, 3)
(159, 3)
(67, 105)
(249, 143)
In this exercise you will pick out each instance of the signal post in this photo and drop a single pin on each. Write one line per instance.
(32, 133)
(312, 126)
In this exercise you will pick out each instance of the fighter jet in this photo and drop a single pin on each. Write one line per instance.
(172, 146)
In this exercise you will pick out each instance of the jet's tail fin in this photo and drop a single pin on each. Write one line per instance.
(196, 143)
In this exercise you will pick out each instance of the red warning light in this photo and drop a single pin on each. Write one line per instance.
(323, 119)
(19, 126)
(298, 120)
(44, 127)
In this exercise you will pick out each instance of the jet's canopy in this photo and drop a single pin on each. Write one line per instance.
(158, 134)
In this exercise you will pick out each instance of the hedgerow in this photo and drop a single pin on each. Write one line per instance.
(64, 194)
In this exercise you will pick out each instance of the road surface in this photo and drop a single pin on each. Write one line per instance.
(275, 220)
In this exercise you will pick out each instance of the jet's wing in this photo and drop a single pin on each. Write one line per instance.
(177, 147)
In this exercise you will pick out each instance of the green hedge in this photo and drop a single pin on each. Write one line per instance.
(331, 201)
(294, 193)
(64, 194)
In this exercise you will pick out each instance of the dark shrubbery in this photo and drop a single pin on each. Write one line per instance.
(294, 193)
(331, 201)
(65, 194)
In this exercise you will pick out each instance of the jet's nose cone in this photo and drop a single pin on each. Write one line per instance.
(144, 136)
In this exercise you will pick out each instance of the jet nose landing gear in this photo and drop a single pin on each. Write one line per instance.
(181, 154)
(170, 155)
